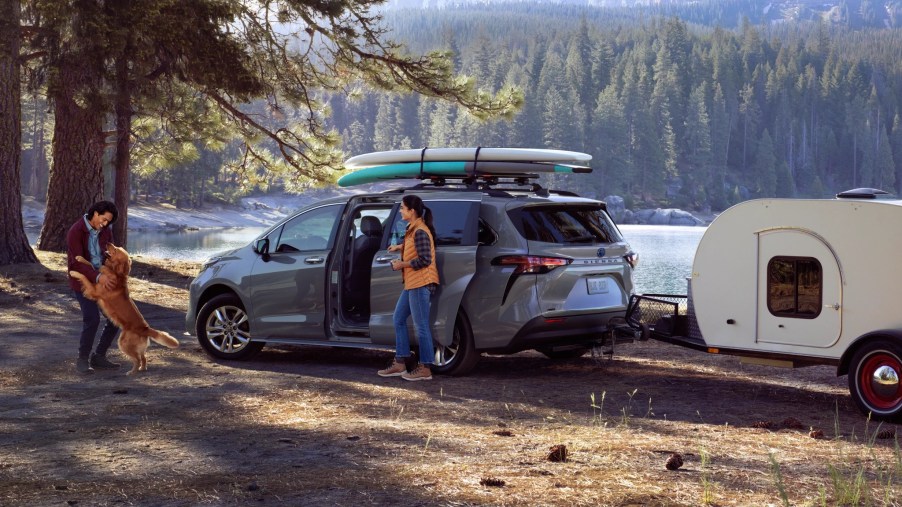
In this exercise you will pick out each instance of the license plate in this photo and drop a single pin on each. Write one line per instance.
(598, 285)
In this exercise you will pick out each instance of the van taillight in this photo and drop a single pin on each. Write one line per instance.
(632, 258)
(530, 264)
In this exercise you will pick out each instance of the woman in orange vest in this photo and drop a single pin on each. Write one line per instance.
(420, 276)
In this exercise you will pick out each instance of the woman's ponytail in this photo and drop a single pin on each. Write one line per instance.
(427, 219)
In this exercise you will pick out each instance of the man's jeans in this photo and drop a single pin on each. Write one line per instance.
(414, 303)
(90, 314)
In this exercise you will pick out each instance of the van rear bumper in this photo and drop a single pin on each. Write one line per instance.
(559, 331)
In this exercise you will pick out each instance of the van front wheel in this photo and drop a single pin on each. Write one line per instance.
(223, 329)
(874, 379)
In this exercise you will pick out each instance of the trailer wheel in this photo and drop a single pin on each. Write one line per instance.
(874, 379)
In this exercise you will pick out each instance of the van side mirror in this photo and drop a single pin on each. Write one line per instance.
(262, 248)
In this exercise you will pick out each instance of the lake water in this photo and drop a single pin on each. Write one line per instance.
(665, 256)
(665, 252)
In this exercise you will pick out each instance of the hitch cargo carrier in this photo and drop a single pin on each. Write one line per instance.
(665, 317)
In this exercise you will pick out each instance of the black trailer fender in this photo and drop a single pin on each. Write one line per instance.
(892, 334)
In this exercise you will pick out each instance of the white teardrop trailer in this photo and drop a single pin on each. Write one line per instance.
(793, 282)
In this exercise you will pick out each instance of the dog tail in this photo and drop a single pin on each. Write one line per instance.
(163, 338)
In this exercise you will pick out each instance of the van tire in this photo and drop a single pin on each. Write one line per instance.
(226, 312)
(461, 356)
(886, 404)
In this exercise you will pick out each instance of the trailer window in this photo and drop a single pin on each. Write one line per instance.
(794, 287)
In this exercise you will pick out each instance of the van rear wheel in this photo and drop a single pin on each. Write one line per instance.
(460, 357)
(874, 379)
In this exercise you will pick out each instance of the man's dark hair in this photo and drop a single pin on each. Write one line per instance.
(101, 207)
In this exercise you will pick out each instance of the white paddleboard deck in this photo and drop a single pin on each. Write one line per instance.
(381, 158)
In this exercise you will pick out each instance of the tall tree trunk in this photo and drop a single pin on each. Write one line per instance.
(122, 159)
(14, 247)
(37, 149)
(76, 178)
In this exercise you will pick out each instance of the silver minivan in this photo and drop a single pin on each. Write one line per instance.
(521, 268)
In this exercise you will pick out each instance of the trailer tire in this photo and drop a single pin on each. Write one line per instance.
(874, 382)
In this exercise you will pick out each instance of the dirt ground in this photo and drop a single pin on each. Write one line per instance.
(316, 426)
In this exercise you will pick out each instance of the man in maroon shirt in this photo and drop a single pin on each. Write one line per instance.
(88, 237)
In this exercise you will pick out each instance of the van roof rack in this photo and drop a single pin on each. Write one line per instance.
(482, 182)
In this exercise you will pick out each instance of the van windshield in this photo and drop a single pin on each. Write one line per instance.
(567, 224)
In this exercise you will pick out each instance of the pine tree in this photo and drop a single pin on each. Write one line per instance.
(610, 145)
(15, 248)
(765, 170)
(896, 146)
(885, 169)
(386, 127)
(785, 184)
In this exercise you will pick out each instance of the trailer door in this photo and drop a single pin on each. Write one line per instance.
(799, 289)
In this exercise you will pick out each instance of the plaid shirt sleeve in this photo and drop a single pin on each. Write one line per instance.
(424, 250)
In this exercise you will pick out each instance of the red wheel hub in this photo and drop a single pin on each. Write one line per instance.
(879, 381)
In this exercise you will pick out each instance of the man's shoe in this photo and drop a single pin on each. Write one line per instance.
(396, 369)
(83, 365)
(422, 372)
(102, 363)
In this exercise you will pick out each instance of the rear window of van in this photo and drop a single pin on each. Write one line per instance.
(567, 224)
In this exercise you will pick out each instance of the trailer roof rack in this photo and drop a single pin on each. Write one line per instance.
(863, 193)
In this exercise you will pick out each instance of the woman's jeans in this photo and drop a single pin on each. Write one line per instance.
(414, 303)
(90, 315)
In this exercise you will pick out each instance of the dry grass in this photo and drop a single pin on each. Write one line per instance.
(316, 426)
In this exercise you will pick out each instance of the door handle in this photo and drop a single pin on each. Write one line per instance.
(314, 260)
(385, 258)
(835, 306)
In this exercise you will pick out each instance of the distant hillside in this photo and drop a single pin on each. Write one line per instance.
(725, 13)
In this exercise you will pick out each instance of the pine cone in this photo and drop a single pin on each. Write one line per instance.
(793, 423)
(491, 482)
(674, 462)
(887, 434)
(816, 434)
(558, 453)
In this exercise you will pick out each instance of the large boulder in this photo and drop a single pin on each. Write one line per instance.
(616, 208)
(667, 217)
(621, 215)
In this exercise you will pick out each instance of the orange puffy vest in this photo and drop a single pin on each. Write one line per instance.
(422, 277)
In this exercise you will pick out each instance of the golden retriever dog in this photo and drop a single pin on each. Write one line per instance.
(135, 334)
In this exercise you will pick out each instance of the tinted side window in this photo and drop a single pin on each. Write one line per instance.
(454, 222)
(794, 287)
(311, 230)
(566, 224)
